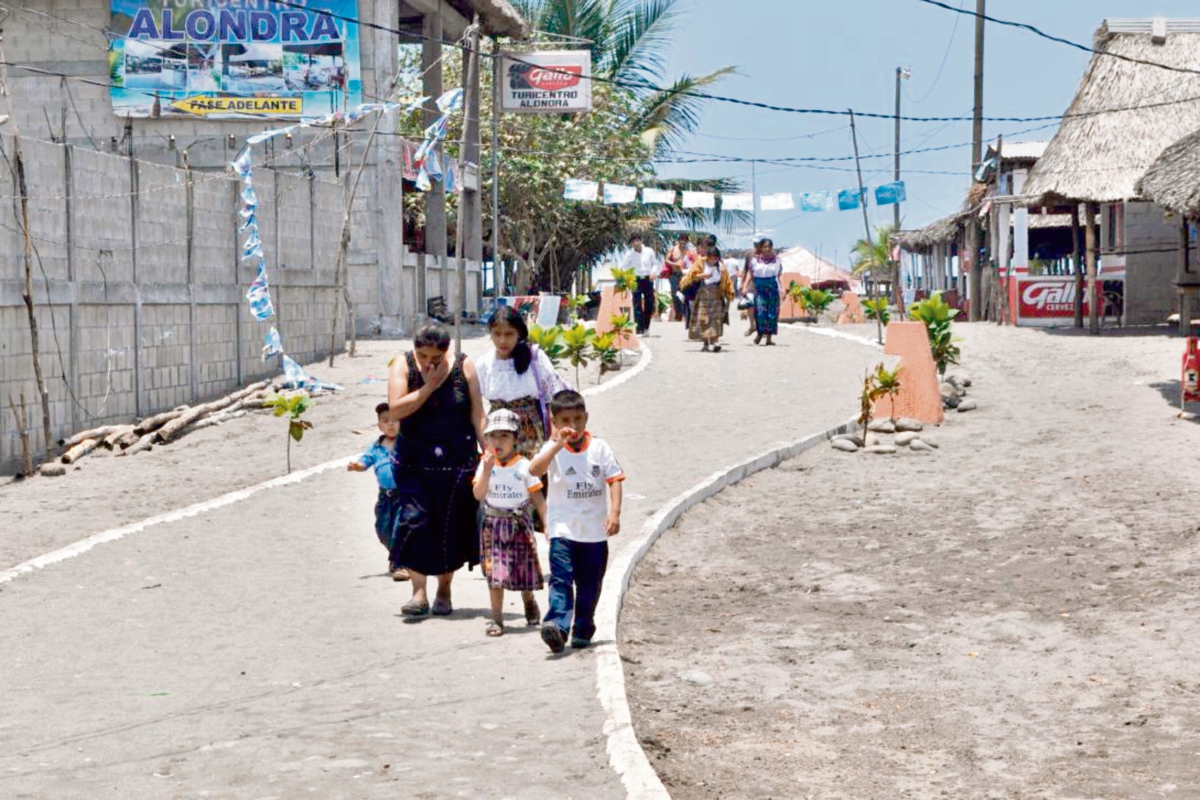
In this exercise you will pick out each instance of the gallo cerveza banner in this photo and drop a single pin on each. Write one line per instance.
(234, 59)
(553, 82)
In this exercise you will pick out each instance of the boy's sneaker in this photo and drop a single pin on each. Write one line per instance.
(552, 635)
(581, 644)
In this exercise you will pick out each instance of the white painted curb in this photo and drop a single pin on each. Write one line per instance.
(83, 545)
(626, 755)
(835, 334)
(112, 535)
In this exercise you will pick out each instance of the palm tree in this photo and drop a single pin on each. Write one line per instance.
(875, 257)
(629, 40)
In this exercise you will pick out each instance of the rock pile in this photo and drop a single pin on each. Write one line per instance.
(904, 433)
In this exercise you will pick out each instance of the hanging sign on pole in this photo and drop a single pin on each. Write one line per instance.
(553, 82)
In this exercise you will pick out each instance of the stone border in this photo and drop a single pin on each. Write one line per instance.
(626, 755)
(113, 534)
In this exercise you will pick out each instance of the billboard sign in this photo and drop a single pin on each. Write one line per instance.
(556, 82)
(1047, 300)
(234, 59)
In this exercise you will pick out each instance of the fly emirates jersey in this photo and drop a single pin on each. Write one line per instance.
(577, 500)
(510, 484)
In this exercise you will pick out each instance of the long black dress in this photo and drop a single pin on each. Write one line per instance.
(436, 525)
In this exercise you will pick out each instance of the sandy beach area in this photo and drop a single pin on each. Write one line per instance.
(1013, 615)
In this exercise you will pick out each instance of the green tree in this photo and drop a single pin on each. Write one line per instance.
(875, 257)
(292, 407)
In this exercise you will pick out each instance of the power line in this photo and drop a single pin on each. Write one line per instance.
(942, 66)
(1058, 39)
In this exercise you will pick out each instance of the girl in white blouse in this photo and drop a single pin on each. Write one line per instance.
(518, 377)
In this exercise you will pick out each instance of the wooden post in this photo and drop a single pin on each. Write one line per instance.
(1079, 268)
(866, 224)
(1093, 243)
(1187, 282)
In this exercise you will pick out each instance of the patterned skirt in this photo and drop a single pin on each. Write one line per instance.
(508, 550)
(531, 436)
(436, 526)
(708, 314)
(766, 306)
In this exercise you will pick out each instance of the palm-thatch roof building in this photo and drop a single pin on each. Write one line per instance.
(1173, 180)
(1124, 115)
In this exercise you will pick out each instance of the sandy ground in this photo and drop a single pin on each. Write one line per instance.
(103, 491)
(1016, 615)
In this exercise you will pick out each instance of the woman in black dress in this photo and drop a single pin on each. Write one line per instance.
(435, 395)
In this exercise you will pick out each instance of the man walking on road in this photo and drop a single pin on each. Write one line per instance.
(644, 262)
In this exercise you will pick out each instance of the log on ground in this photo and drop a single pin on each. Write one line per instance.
(79, 451)
(168, 431)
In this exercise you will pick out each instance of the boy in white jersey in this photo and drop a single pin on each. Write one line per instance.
(583, 510)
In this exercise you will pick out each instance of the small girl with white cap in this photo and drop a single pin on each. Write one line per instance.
(507, 490)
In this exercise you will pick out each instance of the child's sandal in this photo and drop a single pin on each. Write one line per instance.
(493, 628)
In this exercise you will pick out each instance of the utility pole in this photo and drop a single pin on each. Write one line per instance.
(862, 199)
(901, 73)
(497, 263)
(754, 199)
(975, 278)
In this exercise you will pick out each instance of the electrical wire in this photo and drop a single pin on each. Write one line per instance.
(942, 66)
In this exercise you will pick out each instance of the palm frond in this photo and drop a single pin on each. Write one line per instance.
(583, 19)
(668, 117)
(641, 33)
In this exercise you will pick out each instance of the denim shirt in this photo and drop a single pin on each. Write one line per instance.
(383, 462)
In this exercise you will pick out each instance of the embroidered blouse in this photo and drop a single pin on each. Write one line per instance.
(498, 378)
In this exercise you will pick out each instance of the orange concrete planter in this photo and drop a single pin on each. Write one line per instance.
(918, 397)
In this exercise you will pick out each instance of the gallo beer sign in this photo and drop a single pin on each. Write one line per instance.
(1047, 300)
(556, 82)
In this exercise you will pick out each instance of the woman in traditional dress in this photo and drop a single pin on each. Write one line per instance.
(435, 395)
(763, 275)
(712, 298)
(518, 377)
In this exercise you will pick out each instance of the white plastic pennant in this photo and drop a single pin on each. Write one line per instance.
(615, 193)
(699, 200)
(658, 196)
(781, 201)
(450, 101)
(743, 201)
(272, 344)
(581, 190)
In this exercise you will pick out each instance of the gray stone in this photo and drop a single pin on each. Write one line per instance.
(909, 424)
(870, 440)
(905, 438)
(919, 446)
(696, 676)
(930, 440)
(967, 405)
(845, 445)
(52, 469)
(856, 438)
(950, 402)
(882, 426)
(881, 449)
(947, 390)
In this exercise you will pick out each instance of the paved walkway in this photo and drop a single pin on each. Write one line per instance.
(257, 650)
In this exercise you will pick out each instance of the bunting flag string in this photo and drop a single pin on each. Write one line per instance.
(589, 191)
(258, 293)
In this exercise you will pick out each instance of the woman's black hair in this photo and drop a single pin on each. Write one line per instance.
(714, 251)
(766, 241)
(431, 334)
(522, 355)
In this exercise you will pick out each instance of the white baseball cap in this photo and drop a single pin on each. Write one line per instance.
(502, 420)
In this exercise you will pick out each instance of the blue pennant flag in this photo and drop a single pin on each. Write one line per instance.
(450, 101)
(889, 194)
(249, 197)
(241, 164)
(251, 223)
(423, 182)
(259, 298)
(816, 201)
(272, 344)
(850, 198)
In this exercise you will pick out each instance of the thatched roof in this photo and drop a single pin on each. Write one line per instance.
(1098, 157)
(1173, 180)
(924, 239)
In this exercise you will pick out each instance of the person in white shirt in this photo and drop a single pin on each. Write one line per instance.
(584, 509)
(642, 260)
(762, 276)
(507, 490)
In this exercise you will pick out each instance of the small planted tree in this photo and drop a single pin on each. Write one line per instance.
(292, 407)
(662, 301)
(817, 300)
(607, 352)
(549, 341)
(577, 347)
(937, 315)
(622, 328)
(887, 384)
(624, 281)
(575, 305)
(796, 292)
(877, 308)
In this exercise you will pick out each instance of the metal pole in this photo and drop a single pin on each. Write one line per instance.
(497, 264)
(976, 274)
(866, 222)
(754, 200)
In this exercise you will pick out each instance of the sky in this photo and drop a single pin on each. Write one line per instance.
(839, 55)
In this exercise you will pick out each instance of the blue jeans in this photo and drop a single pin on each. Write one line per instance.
(576, 573)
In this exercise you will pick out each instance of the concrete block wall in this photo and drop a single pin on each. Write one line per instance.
(1152, 242)
(139, 298)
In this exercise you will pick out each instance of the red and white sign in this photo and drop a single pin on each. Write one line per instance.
(557, 82)
(1047, 300)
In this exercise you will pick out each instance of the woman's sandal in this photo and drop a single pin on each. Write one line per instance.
(533, 614)
(414, 609)
(442, 607)
(493, 628)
